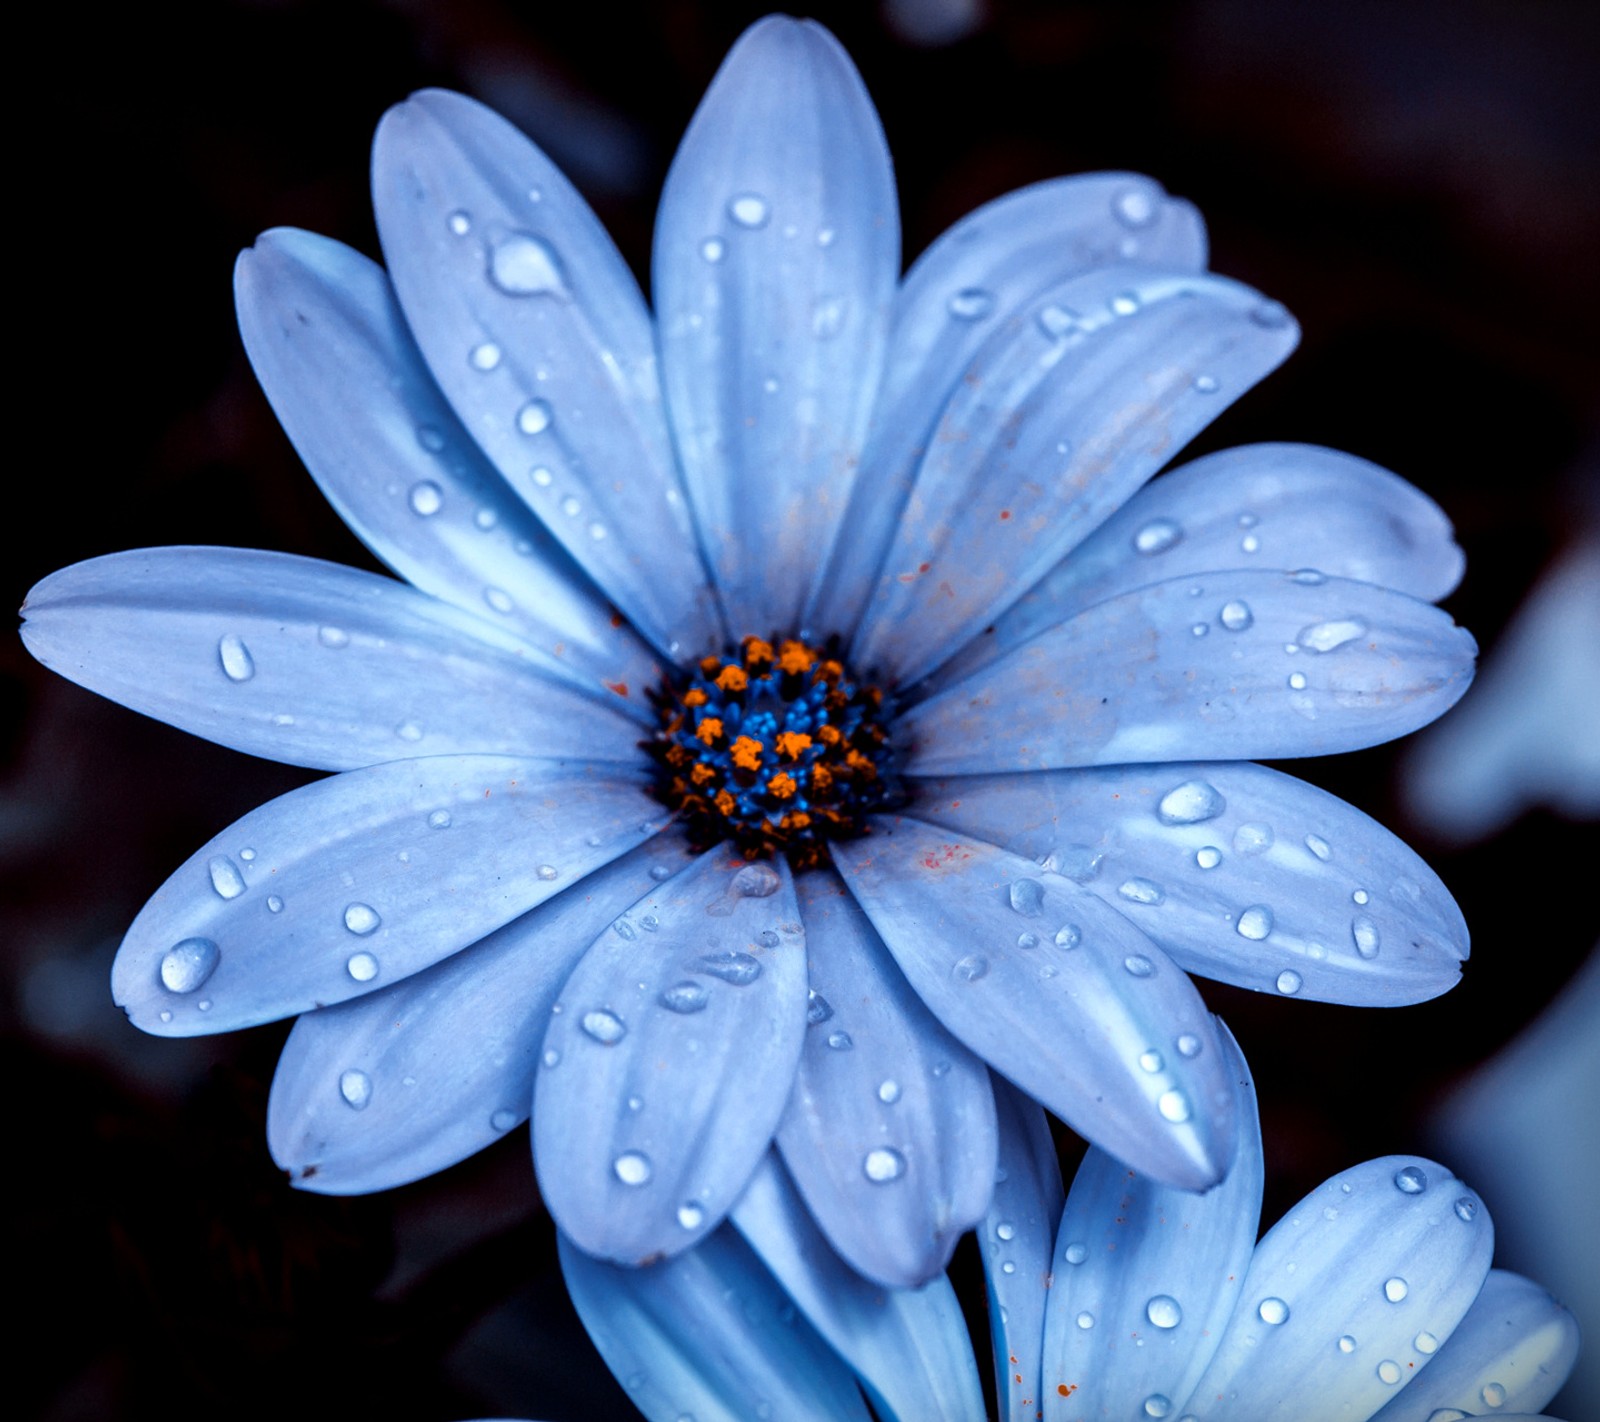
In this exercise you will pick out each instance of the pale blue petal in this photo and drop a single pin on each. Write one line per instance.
(1238, 872)
(776, 253)
(709, 1335)
(1146, 1279)
(534, 328)
(1341, 1289)
(909, 1347)
(1089, 389)
(669, 1059)
(1284, 506)
(1057, 991)
(448, 1054)
(890, 1131)
(1233, 666)
(1017, 1238)
(333, 354)
(967, 285)
(1515, 1348)
(354, 882)
(310, 663)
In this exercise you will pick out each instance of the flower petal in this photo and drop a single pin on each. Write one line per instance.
(1233, 666)
(354, 882)
(1057, 991)
(308, 662)
(889, 1133)
(535, 330)
(1515, 1348)
(909, 1347)
(449, 1053)
(1283, 506)
(1263, 880)
(1062, 414)
(969, 283)
(1341, 1290)
(333, 354)
(777, 248)
(708, 1335)
(1138, 1262)
(1016, 1238)
(669, 1059)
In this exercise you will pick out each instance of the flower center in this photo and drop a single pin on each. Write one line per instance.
(779, 749)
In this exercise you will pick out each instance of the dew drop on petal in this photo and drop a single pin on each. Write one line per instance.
(1325, 636)
(1188, 1045)
(1412, 1180)
(970, 968)
(604, 1026)
(274, 904)
(361, 919)
(1056, 321)
(1208, 385)
(1142, 891)
(1138, 965)
(1075, 1253)
(1255, 922)
(1151, 1061)
(883, 1164)
(889, 1091)
(1252, 839)
(1319, 847)
(363, 967)
(713, 249)
(548, 872)
(535, 417)
(521, 264)
(690, 1215)
(660, 873)
(426, 498)
(499, 599)
(237, 663)
(1297, 681)
(632, 1167)
(188, 963)
(1347, 1344)
(1134, 207)
(333, 637)
(840, 1041)
(1157, 536)
(1389, 1371)
(551, 1057)
(1289, 982)
(1208, 856)
(1493, 1395)
(1395, 1289)
(1085, 1320)
(756, 881)
(972, 303)
(1027, 896)
(1425, 1343)
(1156, 1405)
(1163, 1311)
(1069, 935)
(1273, 1311)
(439, 819)
(356, 1088)
(738, 969)
(750, 210)
(818, 1008)
(225, 877)
(503, 1119)
(1365, 933)
(1466, 1209)
(485, 356)
(1270, 315)
(1027, 940)
(460, 223)
(1173, 1106)
(684, 997)
(1190, 803)
(1236, 616)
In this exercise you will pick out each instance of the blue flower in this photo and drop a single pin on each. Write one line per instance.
(1372, 1298)
(840, 552)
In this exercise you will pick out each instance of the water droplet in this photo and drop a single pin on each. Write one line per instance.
(1075, 1253)
(1188, 1045)
(750, 210)
(460, 223)
(1027, 940)
(1085, 1320)
(840, 1041)
(1156, 1405)
(548, 872)
(166, 1016)
(1325, 636)
(1389, 1371)
(274, 904)
(1157, 536)
(333, 637)
(684, 997)
(1163, 1311)
(1252, 839)
(889, 1091)
(1273, 1311)
(713, 249)
(1254, 922)
(660, 873)
(484, 356)
(827, 317)
(1173, 1106)
(237, 663)
(1142, 891)
(1027, 896)
(690, 1215)
(1270, 315)
(1069, 935)
(1365, 933)
(361, 918)
(632, 1167)
(970, 968)
(439, 819)
(604, 1026)
(408, 731)
(503, 1119)
(541, 476)
(1208, 856)
(1347, 1344)
(551, 1057)
(1191, 803)
(1297, 681)
(941, 1069)
(1289, 982)
(739, 969)
(1005, 1230)
(1236, 616)
(1493, 1395)
(756, 881)
(1134, 207)
(818, 1008)
(882, 1164)
(1425, 1343)
(356, 1088)
(1138, 965)
(426, 498)
(1412, 1180)
(1207, 385)
(972, 303)
(521, 264)
(363, 967)
(535, 417)
(1466, 1208)
(1199, 629)
(1395, 1289)
(1319, 847)
(188, 963)
(225, 877)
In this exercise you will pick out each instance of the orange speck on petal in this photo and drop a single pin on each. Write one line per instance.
(1005, 514)
(620, 687)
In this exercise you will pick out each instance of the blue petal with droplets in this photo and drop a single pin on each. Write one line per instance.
(669, 1059)
(777, 248)
(708, 1335)
(310, 663)
(448, 1054)
(1233, 666)
(534, 328)
(1062, 414)
(333, 354)
(1057, 991)
(889, 1133)
(1341, 1289)
(354, 882)
(1264, 881)
(908, 1346)
(968, 284)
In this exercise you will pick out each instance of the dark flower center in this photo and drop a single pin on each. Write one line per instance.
(779, 749)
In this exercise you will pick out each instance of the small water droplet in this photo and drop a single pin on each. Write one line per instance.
(827, 317)
(889, 1091)
(690, 1215)
(1251, 839)
(1493, 1395)
(1027, 940)
(188, 963)
(739, 969)
(1151, 1061)
(750, 210)
(1466, 1208)
(1138, 965)
(1254, 922)
(685, 997)
(1134, 207)
(225, 877)
(166, 1016)
(840, 1041)
(1273, 1311)
(1199, 629)
(883, 1164)
(1190, 803)
(541, 476)
(333, 637)
(356, 1088)
(1075, 1253)
(521, 264)
(551, 1057)
(1297, 681)
(1412, 1180)
(431, 438)
(1319, 847)
(426, 498)
(484, 356)
(1236, 616)
(439, 819)
(535, 417)
(1027, 896)
(1365, 933)
(713, 249)
(237, 663)
(1156, 1405)
(1389, 1371)
(548, 872)
(1208, 856)
(1188, 1045)
(408, 731)
(1289, 982)
(970, 968)
(361, 919)
(972, 303)
(363, 967)
(1163, 1311)
(604, 1026)
(460, 223)
(940, 1069)
(1157, 536)
(503, 1119)
(1125, 303)
(1142, 891)
(1425, 1343)
(1173, 1106)
(1069, 935)
(660, 873)
(1395, 1289)
(818, 1008)
(274, 904)
(632, 1167)
(1326, 636)
(756, 881)
(1085, 1320)
(1347, 1344)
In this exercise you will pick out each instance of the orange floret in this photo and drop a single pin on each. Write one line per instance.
(725, 802)
(793, 743)
(829, 735)
(695, 697)
(783, 785)
(702, 773)
(709, 730)
(746, 753)
(794, 658)
(732, 678)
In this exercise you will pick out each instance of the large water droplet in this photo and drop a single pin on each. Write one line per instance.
(237, 663)
(632, 1167)
(1493, 1395)
(1156, 1405)
(970, 968)
(1075, 1253)
(1157, 536)
(361, 918)
(1412, 1180)
(1236, 616)
(883, 1164)
(1365, 933)
(972, 303)
(1347, 1344)
(685, 997)
(1027, 896)
(274, 904)
(1173, 1106)
(363, 967)
(1163, 1311)
(1289, 982)
(756, 881)
(535, 417)
(750, 210)
(356, 1088)
(1142, 891)
(1191, 803)
(1273, 1311)
(1255, 922)
(818, 1008)
(739, 969)
(225, 877)
(604, 1026)
(1389, 1371)
(1425, 1343)
(188, 963)
(426, 498)
(521, 264)
(1325, 636)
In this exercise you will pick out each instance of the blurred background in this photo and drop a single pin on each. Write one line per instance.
(1419, 181)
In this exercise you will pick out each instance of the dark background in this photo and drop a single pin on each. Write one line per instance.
(1418, 182)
